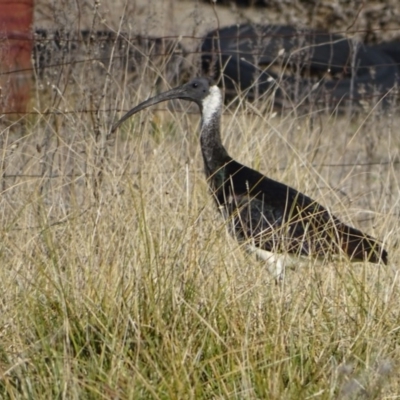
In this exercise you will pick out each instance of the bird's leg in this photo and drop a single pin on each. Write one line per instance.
(280, 269)
(276, 266)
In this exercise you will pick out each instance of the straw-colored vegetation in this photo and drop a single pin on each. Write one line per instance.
(120, 281)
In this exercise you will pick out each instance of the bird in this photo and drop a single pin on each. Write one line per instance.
(278, 223)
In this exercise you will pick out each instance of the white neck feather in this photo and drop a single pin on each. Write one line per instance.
(211, 104)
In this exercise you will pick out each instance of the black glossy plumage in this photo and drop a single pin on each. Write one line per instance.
(280, 219)
(260, 211)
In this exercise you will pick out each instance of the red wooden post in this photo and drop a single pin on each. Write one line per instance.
(16, 42)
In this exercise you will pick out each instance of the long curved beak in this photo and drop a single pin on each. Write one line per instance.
(176, 93)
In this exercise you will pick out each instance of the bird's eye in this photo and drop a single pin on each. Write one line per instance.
(195, 85)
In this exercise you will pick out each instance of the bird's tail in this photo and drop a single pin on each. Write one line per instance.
(362, 247)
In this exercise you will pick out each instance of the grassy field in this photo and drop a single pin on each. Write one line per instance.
(120, 281)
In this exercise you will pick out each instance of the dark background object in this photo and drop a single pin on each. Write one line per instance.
(297, 66)
(392, 49)
(289, 65)
(56, 50)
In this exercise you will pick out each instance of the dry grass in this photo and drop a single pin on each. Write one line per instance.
(119, 280)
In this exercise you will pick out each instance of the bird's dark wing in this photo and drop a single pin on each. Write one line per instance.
(278, 218)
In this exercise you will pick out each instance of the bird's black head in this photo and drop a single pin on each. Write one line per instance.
(198, 90)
